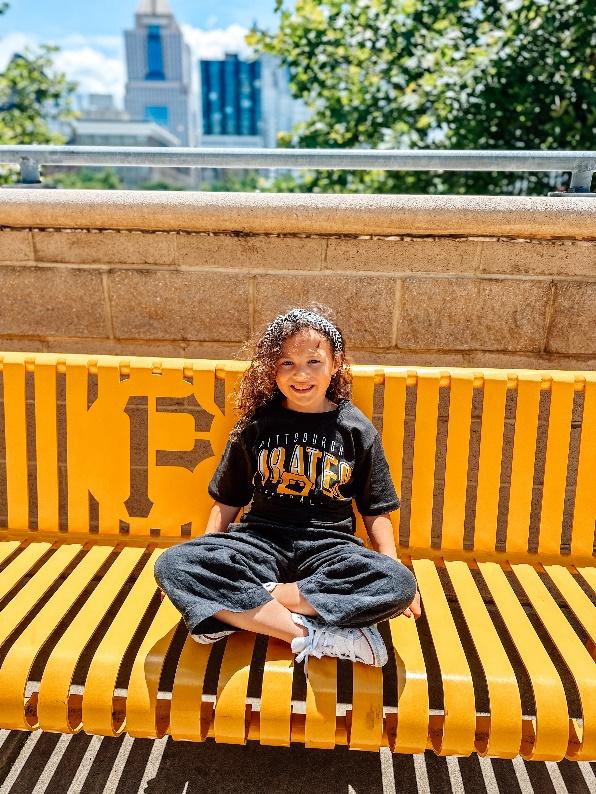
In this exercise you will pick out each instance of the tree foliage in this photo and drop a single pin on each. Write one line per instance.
(455, 74)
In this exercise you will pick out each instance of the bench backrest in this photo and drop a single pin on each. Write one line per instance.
(487, 462)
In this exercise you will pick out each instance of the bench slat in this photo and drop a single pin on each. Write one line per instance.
(489, 461)
(574, 654)
(321, 703)
(15, 669)
(456, 465)
(187, 692)
(504, 738)
(366, 729)
(583, 608)
(522, 464)
(15, 435)
(584, 513)
(423, 474)
(17, 568)
(46, 446)
(98, 697)
(394, 414)
(53, 709)
(276, 695)
(232, 715)
(458, 730)
(6, 549)
(555, 469)
(549, 738)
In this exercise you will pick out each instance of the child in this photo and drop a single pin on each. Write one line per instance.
(292, 567)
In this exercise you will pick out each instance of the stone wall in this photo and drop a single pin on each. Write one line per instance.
(428, 280)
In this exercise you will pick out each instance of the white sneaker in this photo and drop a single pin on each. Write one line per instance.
(358, 645)
(215, 636)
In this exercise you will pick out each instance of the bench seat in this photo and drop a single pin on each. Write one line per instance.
(501, 662)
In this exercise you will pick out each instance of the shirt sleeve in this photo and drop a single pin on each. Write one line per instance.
(375, 492)
(232, 481)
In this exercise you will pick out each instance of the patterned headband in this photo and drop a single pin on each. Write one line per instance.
(312, 319)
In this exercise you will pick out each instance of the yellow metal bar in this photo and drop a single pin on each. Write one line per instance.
(53, 699)
(16, 667)
(412, 687)
(187, 692)
(321, 703)
(366, 732)
(423, 476)
(232, 715)
(548, 737)
(489, 462)
(505, 724)
(363, 394)
(76, 447)
(46, 447)
(98, 696)
(15, 433)
(583, 608)
(522, 465)
(576, 657)
(141, 702)
(15, 570)
(555, 471)
(458, 731)
(456, 465)
(584, 513)
(6, 549)
(394, 414)
(276, 695)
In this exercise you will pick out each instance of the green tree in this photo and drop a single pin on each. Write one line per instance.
(456, 74)
(86, 178)
(33, 94)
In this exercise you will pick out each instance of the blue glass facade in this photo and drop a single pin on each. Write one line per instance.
(157, 113)
(154, 54)
(231, 96)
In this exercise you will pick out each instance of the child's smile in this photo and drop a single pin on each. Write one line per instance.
(304, 370)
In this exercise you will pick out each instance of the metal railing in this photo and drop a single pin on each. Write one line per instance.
(30, 158)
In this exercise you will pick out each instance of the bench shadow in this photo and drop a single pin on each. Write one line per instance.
(188, 768)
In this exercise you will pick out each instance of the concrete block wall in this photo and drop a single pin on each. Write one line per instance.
(426, 280)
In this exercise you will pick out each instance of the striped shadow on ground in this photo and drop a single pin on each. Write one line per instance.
(47, 763)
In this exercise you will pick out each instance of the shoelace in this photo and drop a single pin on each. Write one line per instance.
(321, 639)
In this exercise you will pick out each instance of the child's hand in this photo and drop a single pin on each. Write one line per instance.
(415, 608)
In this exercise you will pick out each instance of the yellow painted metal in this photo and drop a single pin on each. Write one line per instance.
(46, 446)
(489, 461)
(187, 692)
(584, 513)
(456, 465)
(425, 442)
(53, 709)
(458, 730)
(16, 666)
(232, 715)
(6, 549)
(21, 565)
(276, 696)
(579, 662)
(589, 575)
(15, 433)
(522, 464)
(549, 737)
(77, 443)
(412, 688)
(141, 702)
(26, 599)
(98, 696)
(321, 703)
(583, 608)
(505, 724)
(363, 396)
(555, 470)
(366, 732)
(394, 414)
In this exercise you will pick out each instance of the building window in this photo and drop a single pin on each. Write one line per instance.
(154, 54)
(157, 113)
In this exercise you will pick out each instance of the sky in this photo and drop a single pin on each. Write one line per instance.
(90, 34)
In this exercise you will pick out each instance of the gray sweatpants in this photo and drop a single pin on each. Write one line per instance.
(348, 584)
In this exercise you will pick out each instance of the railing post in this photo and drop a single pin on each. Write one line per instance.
(580, 185)
(30, 176)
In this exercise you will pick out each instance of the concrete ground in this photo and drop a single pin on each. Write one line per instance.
(46, 763)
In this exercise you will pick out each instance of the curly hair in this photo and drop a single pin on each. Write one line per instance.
(257, 387)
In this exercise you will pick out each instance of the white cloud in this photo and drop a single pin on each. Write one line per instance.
(213, 44)
(98, 65)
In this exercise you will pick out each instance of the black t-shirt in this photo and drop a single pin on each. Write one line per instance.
(300, 467)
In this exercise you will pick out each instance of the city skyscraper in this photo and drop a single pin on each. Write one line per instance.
(160, 75)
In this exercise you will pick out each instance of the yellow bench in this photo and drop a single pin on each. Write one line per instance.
(107, 463)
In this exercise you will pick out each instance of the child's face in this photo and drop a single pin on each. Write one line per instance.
(304, 370)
